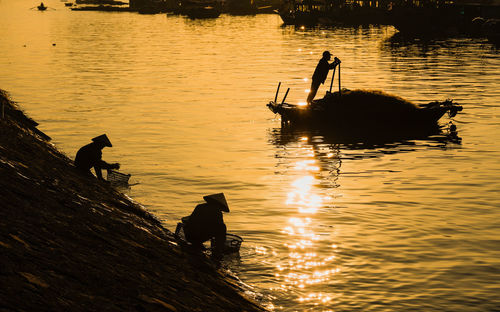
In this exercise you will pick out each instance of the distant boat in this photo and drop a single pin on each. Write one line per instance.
(200, 9)
(103, 8)
(427, 20)
(41, 7)
(364, 109)
(101, 2)
(442, 18)
(491, 29)
(68, 4)
(304, 13)
(328, 13)
(202, 12)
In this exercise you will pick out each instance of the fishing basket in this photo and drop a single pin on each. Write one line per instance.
(118, 177)
(233, 242)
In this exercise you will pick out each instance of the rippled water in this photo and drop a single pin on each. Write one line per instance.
(330, 224)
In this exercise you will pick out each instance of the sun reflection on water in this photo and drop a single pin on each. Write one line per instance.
(304, 267)
(309, 260)
(302, 196)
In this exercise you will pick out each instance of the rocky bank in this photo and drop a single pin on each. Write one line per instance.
(72, 243)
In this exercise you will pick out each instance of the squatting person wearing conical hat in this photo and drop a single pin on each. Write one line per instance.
(90, 156)
(320, 74)
(206, 222)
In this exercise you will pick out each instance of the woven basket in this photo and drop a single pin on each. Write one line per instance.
(233, 242)
(118, 177)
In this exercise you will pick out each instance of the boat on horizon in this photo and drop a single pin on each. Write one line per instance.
(442, 18)
(196, 9)
(41, 7)
(332, 13)
(102, 7)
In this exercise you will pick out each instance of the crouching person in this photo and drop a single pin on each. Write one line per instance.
(206, 222)
(90, 156)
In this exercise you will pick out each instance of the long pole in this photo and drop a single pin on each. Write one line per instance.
(277, 90)
(340, 92)
(333, 75)
(284, 98)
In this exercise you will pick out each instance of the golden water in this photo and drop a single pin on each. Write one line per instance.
(328, 225)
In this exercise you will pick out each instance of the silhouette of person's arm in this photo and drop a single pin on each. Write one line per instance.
(335, 62)
(101, 164)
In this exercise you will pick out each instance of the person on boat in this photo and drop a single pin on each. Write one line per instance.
(206, 222)
(320, 74)
(90, 156)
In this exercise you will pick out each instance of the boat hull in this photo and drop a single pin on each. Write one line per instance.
(202, 12)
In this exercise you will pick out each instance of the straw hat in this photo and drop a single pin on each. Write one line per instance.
(103, 139)
(218, 199)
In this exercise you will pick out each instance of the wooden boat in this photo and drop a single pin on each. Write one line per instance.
(491, 28)
(304, 13)
(367, 109)
(41, 7)
(199, 9)
(102, 8)
(99, 2)
(202, 12)
(427, 20)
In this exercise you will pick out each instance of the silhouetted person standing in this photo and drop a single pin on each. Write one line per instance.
(320, 74)
(90, 156)
(206, 222)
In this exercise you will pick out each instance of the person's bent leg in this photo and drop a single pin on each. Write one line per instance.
(195, 239)
(220, 240)
(312, 92)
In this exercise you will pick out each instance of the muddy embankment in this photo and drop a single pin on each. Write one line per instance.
(72, 243)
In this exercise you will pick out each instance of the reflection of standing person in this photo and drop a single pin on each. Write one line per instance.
(320, 74)
(206, 222)
(90, 156)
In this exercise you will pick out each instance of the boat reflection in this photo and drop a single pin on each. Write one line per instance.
(363, 138)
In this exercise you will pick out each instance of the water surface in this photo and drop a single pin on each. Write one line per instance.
(329, 224)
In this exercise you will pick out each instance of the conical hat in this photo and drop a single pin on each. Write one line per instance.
(103, 139)
(219, 199)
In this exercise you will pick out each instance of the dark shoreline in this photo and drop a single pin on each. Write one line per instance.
(69, 242)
